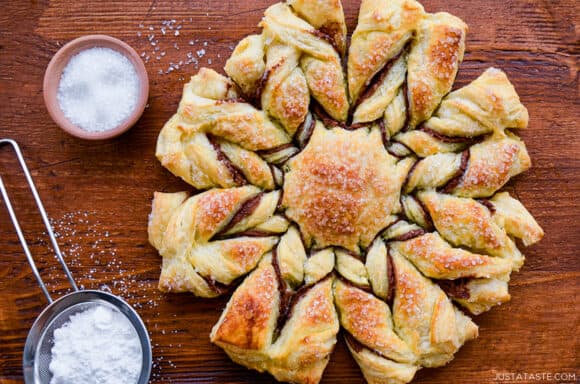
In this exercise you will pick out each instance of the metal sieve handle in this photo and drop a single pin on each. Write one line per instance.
(16, 224)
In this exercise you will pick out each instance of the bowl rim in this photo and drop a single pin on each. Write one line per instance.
(53, 74)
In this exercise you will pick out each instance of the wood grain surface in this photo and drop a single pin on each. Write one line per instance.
(98, 193)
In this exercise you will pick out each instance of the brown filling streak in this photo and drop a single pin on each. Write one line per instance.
(488, 204)
(346, 281)
(248, 233)
(456, 289)
(446, 139)
(392, 281)
(285, 295)
(425, 213)
(236, 174)
(407, 104)
(358, 347)
(271, 151)
(409, 235)
(325, 33)
(384, 135)
(378, 78)
(409, 174)
(456, 179)
(247, 208)
(304, 132)
(216, 286)
(260, 88)
(396, 155)
(328, 121)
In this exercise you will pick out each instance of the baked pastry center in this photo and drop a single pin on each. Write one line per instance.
(342, 188)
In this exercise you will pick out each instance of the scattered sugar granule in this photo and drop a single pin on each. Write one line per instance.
(98, 89)
(98, 345)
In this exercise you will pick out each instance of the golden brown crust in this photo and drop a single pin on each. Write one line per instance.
(368, 320)
(465, 222)
(425, 318)
(433, 62)
(342, 187)
(319, 60)
(383, 29)
(183, 231)
(437, 259)
(294, 350)
(486, 105)
(249, 319)
(491, 164)
(327, 17)
(511, 215)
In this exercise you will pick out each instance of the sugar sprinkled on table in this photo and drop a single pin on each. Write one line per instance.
(98, 89)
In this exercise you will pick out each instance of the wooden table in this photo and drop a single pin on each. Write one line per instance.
(98, 193)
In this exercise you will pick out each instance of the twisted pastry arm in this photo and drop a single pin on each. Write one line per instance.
(327, 17)
(488, 104)
(433, 62)
(211, 239)
(210, 141)
(285, 95)
(466, 222)
(320, 62)
(435, 258)
(302, 44)
(282, 319)
(478, 171)
(425, 328)
(426, 319)
(411, 83)
(382, 31)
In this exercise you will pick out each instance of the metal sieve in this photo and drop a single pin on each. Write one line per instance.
(37, 350)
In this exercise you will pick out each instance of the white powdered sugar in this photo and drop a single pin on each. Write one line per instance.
(96, 346)
(99, 89)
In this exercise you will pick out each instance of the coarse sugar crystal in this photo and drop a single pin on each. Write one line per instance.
(98, 89)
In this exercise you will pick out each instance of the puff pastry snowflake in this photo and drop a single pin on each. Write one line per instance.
(365, 199)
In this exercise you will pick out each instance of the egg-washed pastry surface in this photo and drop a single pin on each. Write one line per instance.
(344, 187)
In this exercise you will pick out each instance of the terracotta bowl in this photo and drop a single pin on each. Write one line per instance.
(54, 72)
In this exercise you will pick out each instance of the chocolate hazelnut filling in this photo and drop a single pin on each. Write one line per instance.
(260, 87)
(247, 208)
(375, 82)
(346, 281)
(327, 33)
(236, 174)
(384, 134)
(328, 121)
(409, 174)
(391, 278)
(488, 204)
(456, 178)
(409, 235)
(216, 286)
(456, 289)
(248, 233)
(285, 295)
(271, 151)
(447, 139)
(358, 347)
(424, 212)
(304, 131)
